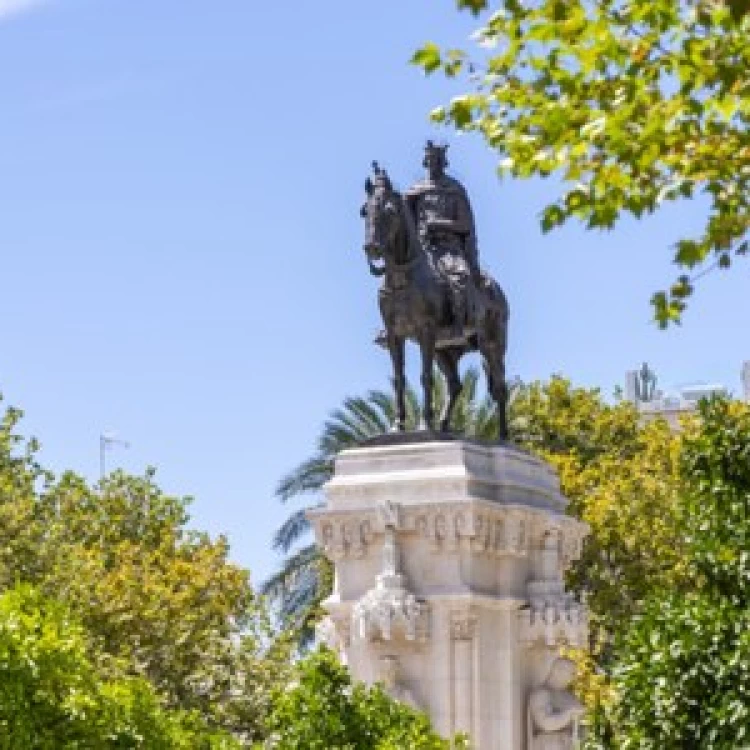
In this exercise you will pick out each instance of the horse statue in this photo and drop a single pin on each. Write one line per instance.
(415, 304)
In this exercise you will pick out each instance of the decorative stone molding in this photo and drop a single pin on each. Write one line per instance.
(438, 526)
(572, 545)
(344, 535)
(554, 623)
(334, 633)
(498, 531)
(449, 587)
(390, 613)
(552, 617)
(463, 625)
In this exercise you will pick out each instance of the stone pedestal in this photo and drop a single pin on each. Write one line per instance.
(449, 559)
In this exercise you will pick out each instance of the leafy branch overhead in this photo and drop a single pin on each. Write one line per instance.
(632, 104)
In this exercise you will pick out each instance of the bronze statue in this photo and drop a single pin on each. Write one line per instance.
(445, 223)
(424, 247)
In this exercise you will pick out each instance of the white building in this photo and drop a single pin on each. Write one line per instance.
(641, 389)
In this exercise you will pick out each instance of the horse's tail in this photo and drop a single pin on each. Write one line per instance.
(497, 299)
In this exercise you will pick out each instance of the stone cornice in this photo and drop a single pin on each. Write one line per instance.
(484, 528)
(443, 470)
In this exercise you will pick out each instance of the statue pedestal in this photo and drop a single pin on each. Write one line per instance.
(449, 560)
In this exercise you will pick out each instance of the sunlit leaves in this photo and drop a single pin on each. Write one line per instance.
(645, 103)
(428, 57)
(161, 601)
(54, 695)
(324, 709)
(682, 669)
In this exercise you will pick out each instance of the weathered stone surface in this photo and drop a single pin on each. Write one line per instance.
(449, 562)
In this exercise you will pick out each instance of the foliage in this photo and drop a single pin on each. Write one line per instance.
(159, 596)
(621, 478)
(324, 710)
(682, 678)
(631, 104)
(52, 695)
(160, 600)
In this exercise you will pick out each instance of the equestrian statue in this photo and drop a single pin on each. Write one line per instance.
(423, 245)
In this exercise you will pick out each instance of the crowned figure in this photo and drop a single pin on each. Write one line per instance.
(442, 214)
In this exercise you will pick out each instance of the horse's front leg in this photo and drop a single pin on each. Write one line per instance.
(396, 348)
(447, 360)
(427, 348)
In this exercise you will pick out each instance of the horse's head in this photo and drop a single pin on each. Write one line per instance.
(382, 215)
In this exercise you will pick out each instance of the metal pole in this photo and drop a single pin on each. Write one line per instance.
(102, 451)
(105, 441)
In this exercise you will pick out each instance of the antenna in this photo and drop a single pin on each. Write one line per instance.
(106, 441)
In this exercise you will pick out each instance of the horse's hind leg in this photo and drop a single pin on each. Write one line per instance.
(492, 348)
(447, 360)
(396, 348)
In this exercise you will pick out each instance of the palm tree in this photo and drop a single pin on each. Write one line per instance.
(304, 578)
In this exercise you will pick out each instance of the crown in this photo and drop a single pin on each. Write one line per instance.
(432, 149)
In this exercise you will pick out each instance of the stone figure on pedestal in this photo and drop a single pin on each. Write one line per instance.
(553, 711)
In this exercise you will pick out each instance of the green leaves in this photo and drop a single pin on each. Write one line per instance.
(475, 6)
(161, 600)
(53, 695)
(681, 676)
(428, 58)
(324, 709)
(644, 103)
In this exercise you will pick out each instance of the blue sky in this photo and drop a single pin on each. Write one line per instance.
(179, 193)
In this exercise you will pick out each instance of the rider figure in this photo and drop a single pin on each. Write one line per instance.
(444, 220)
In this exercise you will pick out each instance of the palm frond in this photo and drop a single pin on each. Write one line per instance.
(485, 425)
(291, 531)
(309, 476)
(386, 404)
(282, 583)
(372, 419)
(413, 409)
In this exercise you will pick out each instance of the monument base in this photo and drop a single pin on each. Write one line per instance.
(449, 558)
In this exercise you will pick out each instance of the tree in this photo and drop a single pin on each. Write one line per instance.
(324, 709)
(162, 601)
(631, 104)
(53, 696)
(681, 676)
(621, 478)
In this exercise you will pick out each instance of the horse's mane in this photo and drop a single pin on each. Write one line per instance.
(407, 241)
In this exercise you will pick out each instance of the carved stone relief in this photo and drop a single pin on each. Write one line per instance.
(344, 536)
(386, 614)
(553, 712)
(463, 625)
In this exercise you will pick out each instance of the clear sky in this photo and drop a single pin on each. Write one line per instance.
(181, 246)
